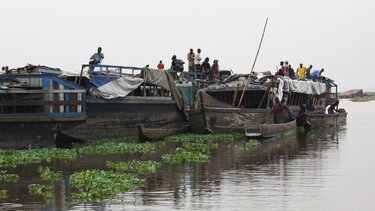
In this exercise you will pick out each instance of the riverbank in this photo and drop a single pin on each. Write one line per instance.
(367, 96)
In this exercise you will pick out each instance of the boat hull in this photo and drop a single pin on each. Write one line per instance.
(118, 118)
(219, 120)
(322, 120)
(155, 134)
(271, 130)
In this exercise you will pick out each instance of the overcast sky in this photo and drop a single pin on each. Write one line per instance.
(337, 35)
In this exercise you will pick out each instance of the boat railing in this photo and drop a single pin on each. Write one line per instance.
(112, 70)
(40, 95)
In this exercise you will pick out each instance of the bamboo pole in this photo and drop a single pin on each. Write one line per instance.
(252, 68)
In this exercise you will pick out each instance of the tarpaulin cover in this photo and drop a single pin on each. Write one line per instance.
(120, 87)
(307, 87)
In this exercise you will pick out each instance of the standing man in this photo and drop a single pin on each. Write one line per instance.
(291, 73)
(191, 58)
(308, 72)
(301, 71)
(97, 57)
(197, 60)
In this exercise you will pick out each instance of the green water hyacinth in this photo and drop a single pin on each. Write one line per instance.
(5, 177)
(200, 147)
(124, 139)
(97, 185)
(251, 145)
(115, 147)
(204, 138)
(181, 155)
(48, 175)
(3, 194)
(41, 190)
(12, 158)
(149, 166)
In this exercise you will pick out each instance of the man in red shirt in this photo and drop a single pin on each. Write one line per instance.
(160, 65)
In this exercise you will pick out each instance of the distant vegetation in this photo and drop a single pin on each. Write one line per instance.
(367, 96)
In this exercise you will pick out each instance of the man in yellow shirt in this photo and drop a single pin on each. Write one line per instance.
(301, 71)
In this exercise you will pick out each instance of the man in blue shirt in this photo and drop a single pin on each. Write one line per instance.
(317, 73)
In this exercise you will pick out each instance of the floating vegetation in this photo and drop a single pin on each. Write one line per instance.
(4, 176)
(200, 147)
(124, 139)
(181, 155)
(97, 185)
(12, 158)
(115, 147)
(48, 175)
(41, 190)
(3, 194)
(190, 137)
(251, 145)
(149, 166)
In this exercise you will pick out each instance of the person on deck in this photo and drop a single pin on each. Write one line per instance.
(301, 71)
(191, 58)
(334, 107)
(177, 64)
(278, 111)
(160, 65)
(317, 74)
(97, 57)
(282, 69)
(197, 60)
(291, 73)
(308, 72)
(214, 71)
(206, 65)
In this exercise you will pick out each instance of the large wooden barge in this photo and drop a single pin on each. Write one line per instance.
(219, 108)
(120, 97)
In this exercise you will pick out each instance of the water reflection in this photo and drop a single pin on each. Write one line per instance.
(304, 171)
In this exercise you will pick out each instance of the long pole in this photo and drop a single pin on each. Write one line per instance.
(252, 68)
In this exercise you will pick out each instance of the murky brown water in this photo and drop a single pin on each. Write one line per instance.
(324, 170)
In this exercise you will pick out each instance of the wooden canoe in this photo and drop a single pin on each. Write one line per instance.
(270, 130)
(317, 119)
(154, 134)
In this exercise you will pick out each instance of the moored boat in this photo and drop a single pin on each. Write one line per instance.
(219, 108)
(320, 119)
(154, 133)
(35, 104)
(271, 130)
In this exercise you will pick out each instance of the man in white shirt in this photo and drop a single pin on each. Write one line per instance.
(197, 60)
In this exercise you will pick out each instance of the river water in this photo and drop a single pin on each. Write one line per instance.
(330, 169)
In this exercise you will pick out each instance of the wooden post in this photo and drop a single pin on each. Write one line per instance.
(235, 96)
(252, 68)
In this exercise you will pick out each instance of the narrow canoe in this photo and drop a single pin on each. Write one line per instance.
(270, 130)
(154, 134)
(322, 119)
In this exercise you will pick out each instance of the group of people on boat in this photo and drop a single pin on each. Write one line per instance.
(195, 64)
(302, 72)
